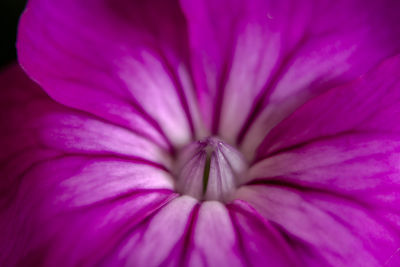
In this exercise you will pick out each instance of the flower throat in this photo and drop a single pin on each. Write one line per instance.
(209, 169)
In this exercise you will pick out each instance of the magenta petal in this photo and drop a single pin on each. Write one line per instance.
(332, 171)
(259, 60)
(260, 241)
(84, 234)
(213, 238)
(324, 229)
(362, 167)
(369, 105)
(183, 233)
(159, 241)
(67, 175)
(114, 60)
(33, 123)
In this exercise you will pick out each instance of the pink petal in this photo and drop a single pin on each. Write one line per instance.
(329, 174)
(260, 242)
(213, 239)
(257, 61)
(75, 237)
(67, 175)
(325, 229)
(114, 60)
(363, 167)
(159, 241)
(32, 123)
(182, 233)
(369, 105)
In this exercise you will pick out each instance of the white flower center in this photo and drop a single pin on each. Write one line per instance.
(209, 170)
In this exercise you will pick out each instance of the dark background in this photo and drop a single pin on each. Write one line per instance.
(10, 10)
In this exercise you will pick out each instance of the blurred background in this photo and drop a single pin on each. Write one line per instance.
(10, 10)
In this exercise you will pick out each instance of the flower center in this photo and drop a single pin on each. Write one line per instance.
(209, 169)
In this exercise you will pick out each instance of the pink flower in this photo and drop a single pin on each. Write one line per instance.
(202, 133)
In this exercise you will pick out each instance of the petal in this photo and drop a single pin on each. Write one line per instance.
(113, 60)
(330, 173)
(254, 62)
(67, 175)
(260, 242)
(338, 190)
(182, 233)
(159, 241)
(46, 240)
(369, 104)
(363, 167)
(325, 229)
(213, 239)
(34, 124)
